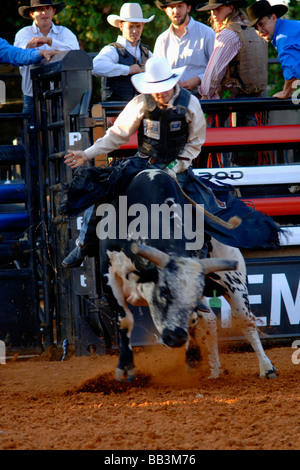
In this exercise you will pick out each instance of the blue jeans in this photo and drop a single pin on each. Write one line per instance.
(86, 219)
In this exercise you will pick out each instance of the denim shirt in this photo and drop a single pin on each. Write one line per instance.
(286, 40)
(17, 56)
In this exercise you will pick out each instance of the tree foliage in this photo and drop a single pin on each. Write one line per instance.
(88, 20)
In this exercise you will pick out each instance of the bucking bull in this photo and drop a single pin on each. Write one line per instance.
(143, 268)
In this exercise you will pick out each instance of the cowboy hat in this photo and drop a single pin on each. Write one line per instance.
(158, 76)
(163, 5)
(25, 10)
(263, 8)
(131, 12)
(212, 4)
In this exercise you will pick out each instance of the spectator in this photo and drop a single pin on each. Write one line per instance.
(285, 37)
(42, 34)
(238, 65)
(186, 43)
(18, 56)
(117, 62)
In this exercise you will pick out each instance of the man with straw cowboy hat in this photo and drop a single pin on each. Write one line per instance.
(117, 62)
(42, 34)
(171, 131)
(285, 37)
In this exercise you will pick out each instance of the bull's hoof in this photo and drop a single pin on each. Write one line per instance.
(193, 359)
(125, 375)
(215, 374)
(271, 374)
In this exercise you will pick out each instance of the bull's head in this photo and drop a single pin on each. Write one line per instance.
(178, 290)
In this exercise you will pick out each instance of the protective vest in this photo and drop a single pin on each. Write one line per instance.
(247, 73)
(120, 88)
(163, 133)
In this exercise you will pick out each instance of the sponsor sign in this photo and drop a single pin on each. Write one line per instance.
(249, 176)
(274, 296)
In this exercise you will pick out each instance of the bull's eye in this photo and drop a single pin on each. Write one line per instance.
(164, 293)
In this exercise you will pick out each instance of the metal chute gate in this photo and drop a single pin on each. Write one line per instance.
(43, 304)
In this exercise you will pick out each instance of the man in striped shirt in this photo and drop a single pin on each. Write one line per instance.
(233, 70)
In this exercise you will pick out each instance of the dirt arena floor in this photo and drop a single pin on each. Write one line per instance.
(47, 404)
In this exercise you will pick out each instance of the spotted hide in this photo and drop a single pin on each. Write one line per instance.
(140, 269)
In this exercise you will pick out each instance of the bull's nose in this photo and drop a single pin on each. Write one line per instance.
(174, 338)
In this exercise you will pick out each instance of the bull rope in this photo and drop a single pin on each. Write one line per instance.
(233, 222)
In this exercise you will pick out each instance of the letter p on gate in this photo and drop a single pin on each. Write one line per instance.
(74, 137)
(2, 353)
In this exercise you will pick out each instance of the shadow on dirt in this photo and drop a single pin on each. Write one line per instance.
(106, 383)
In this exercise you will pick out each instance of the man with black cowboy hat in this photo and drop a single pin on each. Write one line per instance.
(285, 37)
(42, 34)
(186, 42)
(238, 65)
(117, 62)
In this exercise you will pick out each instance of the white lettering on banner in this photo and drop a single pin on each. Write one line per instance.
(280, 292)
(256, 299)
(281, 289)
(74, 137)
(83, 280)
(255, 175)
(2, 353)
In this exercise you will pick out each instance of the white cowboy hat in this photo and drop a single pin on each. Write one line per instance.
(158, 76)
(131, 12)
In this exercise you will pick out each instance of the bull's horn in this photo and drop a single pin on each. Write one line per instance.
(211, 265)
(201, 306)
(157, 257)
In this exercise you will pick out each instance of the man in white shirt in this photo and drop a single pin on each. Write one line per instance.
(185, 43)
(42, 34)
(117, 62)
